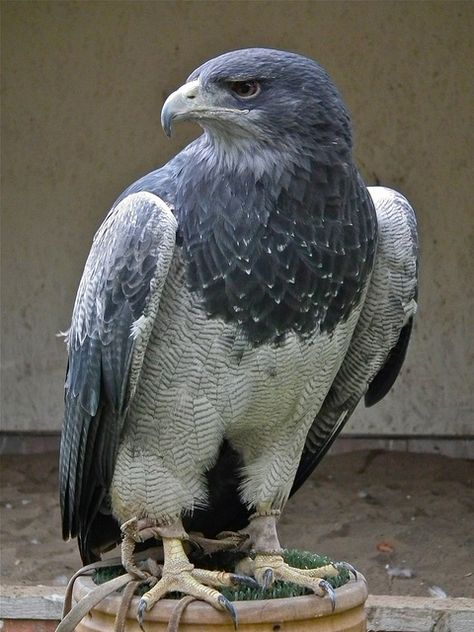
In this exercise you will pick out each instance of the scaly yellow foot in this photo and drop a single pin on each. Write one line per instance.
(269, 567)
(179, 575)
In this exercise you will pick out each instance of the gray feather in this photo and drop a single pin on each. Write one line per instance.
(122, 284)
(389, 304)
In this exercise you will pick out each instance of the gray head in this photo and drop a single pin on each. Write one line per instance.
(262, 94)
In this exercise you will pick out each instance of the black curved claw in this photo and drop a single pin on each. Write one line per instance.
(267, 579)
(329, 590)
(348, 567)
(228, 607)
(142, 608)
(244, 580)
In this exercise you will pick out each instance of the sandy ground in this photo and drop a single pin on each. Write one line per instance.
(387, 513)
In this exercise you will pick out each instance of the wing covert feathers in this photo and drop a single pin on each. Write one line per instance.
(381, 337)
(116, 304)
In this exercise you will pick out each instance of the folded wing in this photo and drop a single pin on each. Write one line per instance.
(378, 346)
(116, 305)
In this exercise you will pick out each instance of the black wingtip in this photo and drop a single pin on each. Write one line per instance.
(385, 378)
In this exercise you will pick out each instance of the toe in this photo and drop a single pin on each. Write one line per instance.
(270, 568)
(221, 578)
(330, 570)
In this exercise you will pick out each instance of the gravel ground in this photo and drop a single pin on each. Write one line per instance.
(404, 520)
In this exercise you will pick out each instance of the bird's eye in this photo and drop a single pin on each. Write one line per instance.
(245, 89)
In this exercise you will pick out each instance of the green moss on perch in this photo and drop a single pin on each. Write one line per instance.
(293, 557)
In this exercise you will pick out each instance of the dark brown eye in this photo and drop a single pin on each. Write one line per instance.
(245, 89)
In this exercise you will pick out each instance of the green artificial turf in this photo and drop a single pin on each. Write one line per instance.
(226, 561)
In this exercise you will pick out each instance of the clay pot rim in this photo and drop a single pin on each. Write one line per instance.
(351, 595)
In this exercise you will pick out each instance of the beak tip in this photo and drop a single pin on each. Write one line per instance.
(178, 104)
(166, 121)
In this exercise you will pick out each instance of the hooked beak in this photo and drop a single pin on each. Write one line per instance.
(180, 104)
(190, 102)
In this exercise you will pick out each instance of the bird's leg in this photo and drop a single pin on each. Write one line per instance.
(134, 531)
(179, 575)
(269, 565)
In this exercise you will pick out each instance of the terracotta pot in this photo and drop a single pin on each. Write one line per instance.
(297, 614)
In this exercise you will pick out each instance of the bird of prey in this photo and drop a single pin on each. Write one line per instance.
(236, 305)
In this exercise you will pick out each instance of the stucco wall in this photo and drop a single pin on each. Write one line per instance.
(83, 87)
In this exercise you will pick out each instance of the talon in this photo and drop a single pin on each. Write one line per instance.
(228, 607)
(142, 608)
(348, 567)
(329, 590)
(267, 579)
(244, 580)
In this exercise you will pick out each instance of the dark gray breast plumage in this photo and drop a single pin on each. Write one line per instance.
(278, 256)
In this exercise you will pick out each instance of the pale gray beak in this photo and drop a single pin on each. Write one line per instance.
(181, 104)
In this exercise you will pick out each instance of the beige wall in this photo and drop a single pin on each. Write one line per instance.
(83, 87)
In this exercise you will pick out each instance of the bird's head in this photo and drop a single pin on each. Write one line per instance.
(269, 96)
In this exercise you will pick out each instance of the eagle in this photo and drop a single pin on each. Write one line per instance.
(236, 305)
